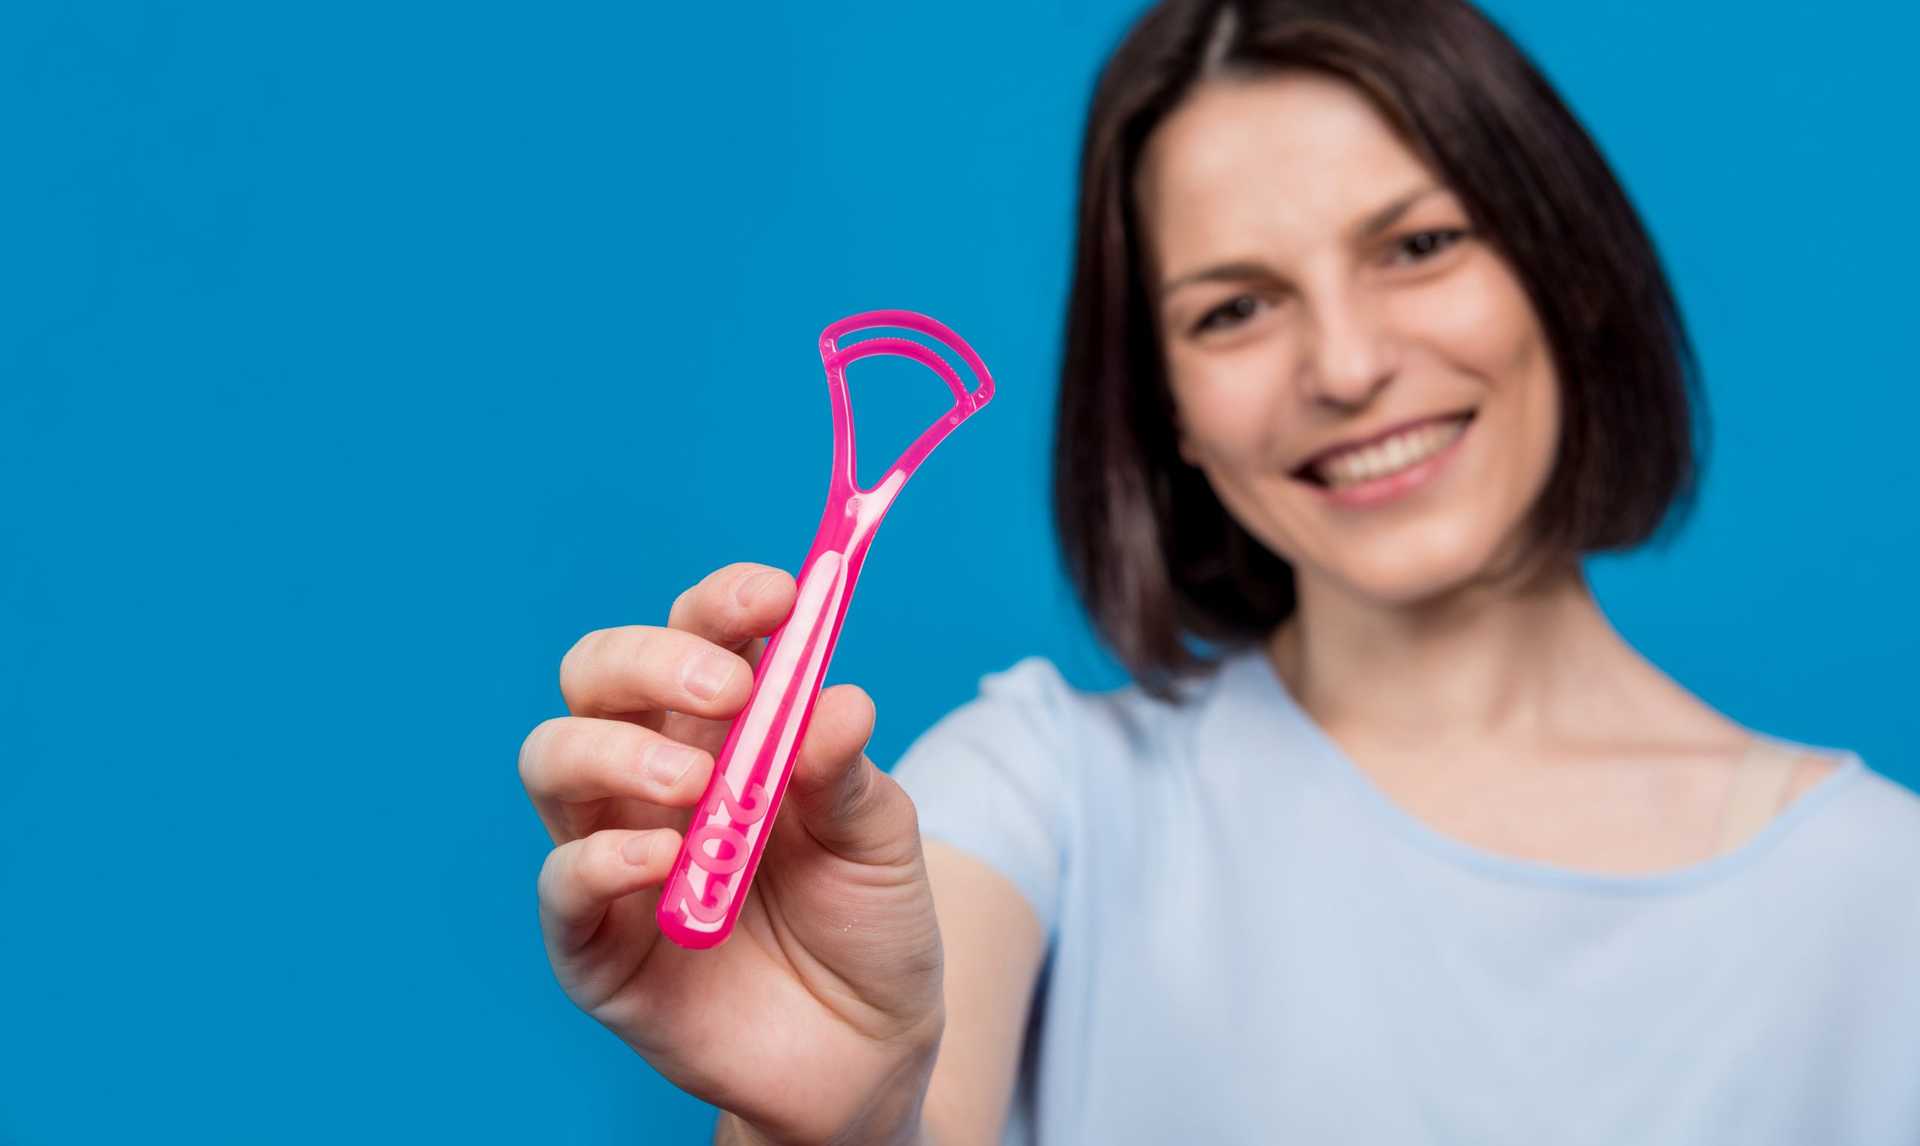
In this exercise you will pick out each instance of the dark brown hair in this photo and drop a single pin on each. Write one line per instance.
(1156, 559)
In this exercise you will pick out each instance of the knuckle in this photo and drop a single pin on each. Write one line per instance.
(607, 851)
(629, 654)
(553, 872)
(697, 600)
(742, 574)
(644, 653)
(739, 571)
(581, 758)
(855, 791)
(597, 867)
(576, 664)
(684, 605)
(536, 750)
(912, 809)
(713, 606)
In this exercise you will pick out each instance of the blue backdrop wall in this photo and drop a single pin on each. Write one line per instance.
(358, 358)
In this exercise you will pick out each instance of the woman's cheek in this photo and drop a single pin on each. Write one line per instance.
(1229, 415)
(1485, 319)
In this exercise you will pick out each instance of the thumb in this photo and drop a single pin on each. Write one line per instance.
(848, 805)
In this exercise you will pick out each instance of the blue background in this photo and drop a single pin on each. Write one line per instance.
(358, 358)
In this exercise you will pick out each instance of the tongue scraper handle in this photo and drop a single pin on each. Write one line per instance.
(728, 831)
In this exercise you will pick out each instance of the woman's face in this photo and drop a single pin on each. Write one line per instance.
(1316, 288)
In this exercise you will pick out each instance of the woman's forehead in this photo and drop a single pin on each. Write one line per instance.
(1280, 170)
(1288, 141)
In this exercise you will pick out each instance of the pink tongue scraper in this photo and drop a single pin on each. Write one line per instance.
(708, 884)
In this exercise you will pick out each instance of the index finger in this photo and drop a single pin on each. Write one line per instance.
(734, 606)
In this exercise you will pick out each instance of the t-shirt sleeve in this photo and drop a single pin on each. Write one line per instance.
(993, 778)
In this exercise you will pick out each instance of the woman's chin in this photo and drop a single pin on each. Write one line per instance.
(1407, 572)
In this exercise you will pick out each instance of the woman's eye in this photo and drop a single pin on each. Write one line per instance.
(1422, 245)
(1235, 308)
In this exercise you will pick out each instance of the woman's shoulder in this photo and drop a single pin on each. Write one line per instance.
(1888, 807)
(1864, 822)
(1816, 768)
(1810, 770)
(1035, 692)
(1108, 739)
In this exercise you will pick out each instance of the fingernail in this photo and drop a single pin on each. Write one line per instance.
(753, 586)
(668, 762)
(705, 675)
(639, 849)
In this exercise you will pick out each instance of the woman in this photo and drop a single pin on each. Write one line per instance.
(1394, 839)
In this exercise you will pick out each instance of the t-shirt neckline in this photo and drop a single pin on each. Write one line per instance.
(1251, 672)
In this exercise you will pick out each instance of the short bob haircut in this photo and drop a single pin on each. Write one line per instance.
(1154, 557)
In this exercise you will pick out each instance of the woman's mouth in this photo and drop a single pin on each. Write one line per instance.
(1384, 470)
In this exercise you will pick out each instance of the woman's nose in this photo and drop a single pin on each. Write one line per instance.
(1353, 355)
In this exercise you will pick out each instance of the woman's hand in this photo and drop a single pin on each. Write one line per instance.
(819, 1018)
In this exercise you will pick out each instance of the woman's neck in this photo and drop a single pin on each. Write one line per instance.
(1483, 663)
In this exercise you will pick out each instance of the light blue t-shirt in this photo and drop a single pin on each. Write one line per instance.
(1250, 943)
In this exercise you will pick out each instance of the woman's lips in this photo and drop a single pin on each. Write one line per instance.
(1395, 485)
(1375, 439)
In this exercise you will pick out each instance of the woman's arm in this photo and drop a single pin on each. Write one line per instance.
(994, 946)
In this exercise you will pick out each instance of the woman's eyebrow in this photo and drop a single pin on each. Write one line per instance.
(1242, 269)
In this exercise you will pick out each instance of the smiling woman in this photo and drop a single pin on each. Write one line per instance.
(1449, 244)
(1393, 838)
(1368, 364)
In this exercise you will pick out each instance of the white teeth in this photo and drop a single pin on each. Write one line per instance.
(1391, 456)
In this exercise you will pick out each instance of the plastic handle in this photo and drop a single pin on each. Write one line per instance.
(728, 830)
